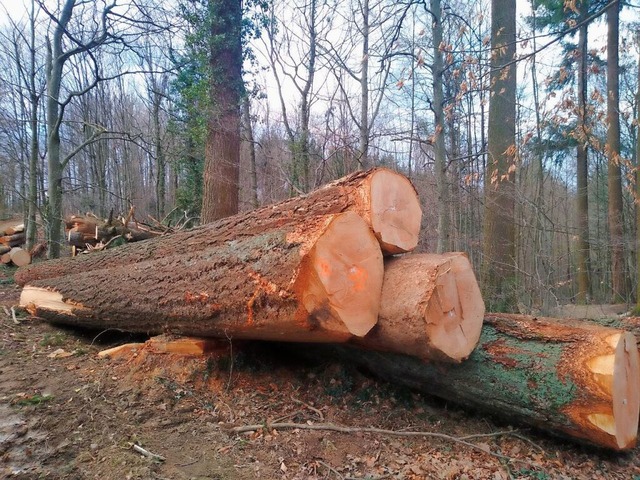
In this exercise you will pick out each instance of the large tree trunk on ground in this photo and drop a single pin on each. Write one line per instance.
(568, 378)
(318, 280)
(431, 308)
(386, 200)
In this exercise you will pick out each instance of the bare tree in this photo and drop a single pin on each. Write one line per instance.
(78, 31)
(292, 48)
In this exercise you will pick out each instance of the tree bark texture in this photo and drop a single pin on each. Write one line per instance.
(498, 270)
(582, 173)
(222, 148)
(387, 201)
(444, 224)
(567, 378)
(431, 308)
(614, 175)
(315, 281)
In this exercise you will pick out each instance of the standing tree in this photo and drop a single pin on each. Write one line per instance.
(26, 66)
(613, 156)
(637, 192)
(222, 148)
(80, 30)
(498, 272)
(437, 71)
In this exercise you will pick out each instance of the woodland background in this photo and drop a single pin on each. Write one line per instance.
(106, 105)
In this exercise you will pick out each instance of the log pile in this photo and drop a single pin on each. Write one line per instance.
(89, 233)
(311, 269)
(12, 240)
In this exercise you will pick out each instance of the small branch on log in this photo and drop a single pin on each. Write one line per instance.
(147, 453)
(378, 431)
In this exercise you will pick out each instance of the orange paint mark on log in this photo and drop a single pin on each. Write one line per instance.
(358, 277)
(500, 352)
(325, 269)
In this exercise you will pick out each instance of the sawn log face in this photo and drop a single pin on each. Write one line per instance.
(431, 308)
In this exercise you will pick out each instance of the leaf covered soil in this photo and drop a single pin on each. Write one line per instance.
(66, 413)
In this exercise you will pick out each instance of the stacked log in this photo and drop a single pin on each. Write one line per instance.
(386, 200)
(308, 282)
(307, 269)
(276, 274)
(431, 308)
(11, 241)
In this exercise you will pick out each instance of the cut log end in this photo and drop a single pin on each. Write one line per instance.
(20, 257)
(342, 278)
(33, 298)
(431, 307)
(626, 391)
(395, 212)
(454, 317)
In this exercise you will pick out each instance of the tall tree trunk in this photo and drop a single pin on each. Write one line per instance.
(54, 163)
(33, 121)
(584, 276)
(637, 199)
(440, 153)
(253, 172)
(614, 175)
(364, 89)
(161, 163)
(222, 149)
(498, 273)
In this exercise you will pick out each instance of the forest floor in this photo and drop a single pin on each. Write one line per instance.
(65, 413)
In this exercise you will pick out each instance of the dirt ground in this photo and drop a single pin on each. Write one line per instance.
(65, 413)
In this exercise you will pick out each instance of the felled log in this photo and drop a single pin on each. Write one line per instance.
(15, 229)
(569, 378)
(385, 199)
(17, 256)
(13, 240)
(318, 280)
(4, 249)
(431, 308)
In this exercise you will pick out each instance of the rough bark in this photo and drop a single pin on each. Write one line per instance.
(431, 308)
(222, 149)
(317, 280)
(568, 378)
(386, 200)
(582, 173)
(498, 270)
(444, 227)
(637, 190)
(614, 174)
